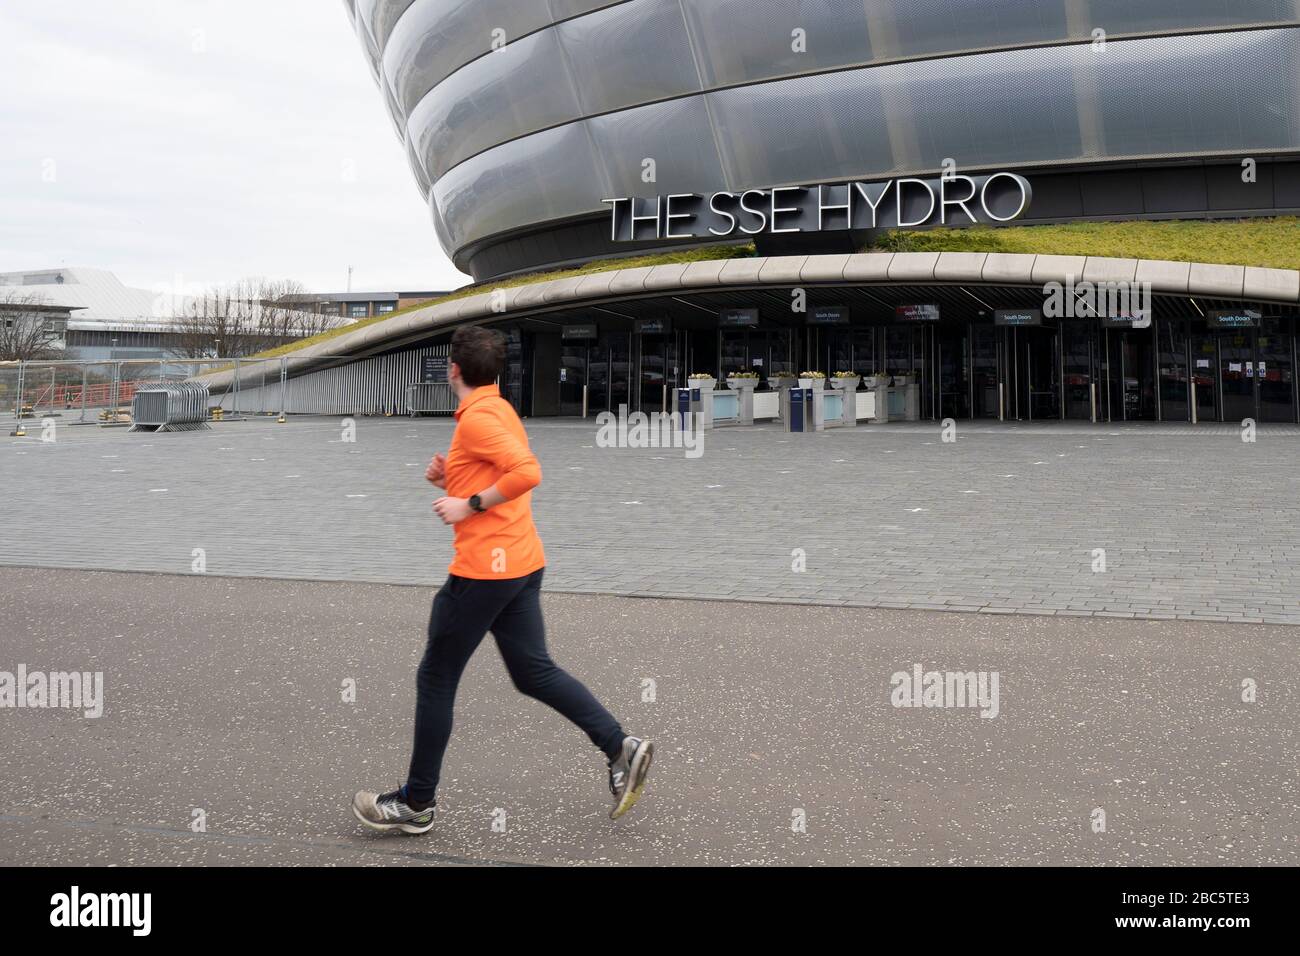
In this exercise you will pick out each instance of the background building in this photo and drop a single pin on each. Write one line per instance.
(522, 121)
(112, 321)
(520, 118)
(364, 305)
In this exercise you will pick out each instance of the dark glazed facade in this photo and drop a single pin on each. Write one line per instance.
(520, 117)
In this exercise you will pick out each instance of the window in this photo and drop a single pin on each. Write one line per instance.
(359, 311)
(383, 308)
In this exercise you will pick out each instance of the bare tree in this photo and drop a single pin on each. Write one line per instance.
(28, 328)
(244, 318)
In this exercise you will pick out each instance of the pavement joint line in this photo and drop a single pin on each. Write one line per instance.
(910, 606)
(247, 840)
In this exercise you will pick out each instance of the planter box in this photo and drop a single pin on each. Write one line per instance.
(817, 383)
(848, 383)
(736, 384)
(705, 384)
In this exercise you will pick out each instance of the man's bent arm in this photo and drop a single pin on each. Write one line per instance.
(488, 441)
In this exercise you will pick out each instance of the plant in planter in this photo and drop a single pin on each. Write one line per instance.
(779, 380)
(875, 379)
(698, 379)
(812, 379)
(845, 381)
(738, 380)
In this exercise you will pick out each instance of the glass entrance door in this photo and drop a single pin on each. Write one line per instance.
(573, 376)
(1204, 353)
(1130, 375)
(1044, 373)
(1175, 377)
(1031, 370)
(609, 361)
(1077, 349)
(1237, 374)
(1275, 371)
(620, 369)
(984, 371)
(954, 373)
(656, 371)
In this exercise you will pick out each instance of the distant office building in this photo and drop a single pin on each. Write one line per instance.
(104, 320)
(364, 305)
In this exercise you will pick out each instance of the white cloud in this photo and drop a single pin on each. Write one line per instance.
(206, 139)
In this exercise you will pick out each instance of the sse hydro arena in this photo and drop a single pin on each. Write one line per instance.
(647, 189)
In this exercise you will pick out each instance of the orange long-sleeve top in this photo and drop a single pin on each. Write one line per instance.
(490, 447)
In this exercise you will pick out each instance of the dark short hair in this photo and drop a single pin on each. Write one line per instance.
(480, 353)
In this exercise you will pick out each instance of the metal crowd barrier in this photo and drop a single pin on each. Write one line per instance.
(170, 407)
(429, 398)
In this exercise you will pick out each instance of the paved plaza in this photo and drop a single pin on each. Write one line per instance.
(777, 738)
(1194, 523)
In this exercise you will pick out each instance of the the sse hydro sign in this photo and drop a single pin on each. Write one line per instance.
(894, 203)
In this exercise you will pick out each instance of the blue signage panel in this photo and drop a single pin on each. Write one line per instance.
(653, 326)
(1127, 320)
(1018, 317)
(797, 403)
(828, 315)
(1240, 319)
(738, 318)
(917, 313)
(684, 406)
(584, 331)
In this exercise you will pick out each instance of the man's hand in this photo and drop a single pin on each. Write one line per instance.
(452, 510)
(436, 473)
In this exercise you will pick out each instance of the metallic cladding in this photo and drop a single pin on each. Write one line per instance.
(521, 114)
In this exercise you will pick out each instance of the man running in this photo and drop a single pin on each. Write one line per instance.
(494, 585)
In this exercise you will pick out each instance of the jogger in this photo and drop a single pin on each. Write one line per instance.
(494, 585)
(464, 610)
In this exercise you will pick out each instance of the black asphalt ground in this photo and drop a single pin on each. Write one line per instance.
(226, 696)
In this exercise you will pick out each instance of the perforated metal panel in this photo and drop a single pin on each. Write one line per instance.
(435, 38)
(675, 136)
(522, 88)
(539, 178)
(380, 16)
(571, 8)
(858, 88)
(1008, 108)
(629, 54)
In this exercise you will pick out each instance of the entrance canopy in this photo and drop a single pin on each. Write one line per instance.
(984, 335)
(961, 283)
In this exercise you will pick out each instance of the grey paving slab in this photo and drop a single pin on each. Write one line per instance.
(224, 695)
(1193, 521)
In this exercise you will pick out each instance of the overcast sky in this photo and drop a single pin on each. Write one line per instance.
(195, 142)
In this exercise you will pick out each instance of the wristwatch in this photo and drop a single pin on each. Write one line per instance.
(476, 503)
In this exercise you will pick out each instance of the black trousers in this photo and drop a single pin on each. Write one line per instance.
(465, 609)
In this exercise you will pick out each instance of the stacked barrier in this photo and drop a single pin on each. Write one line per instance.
(170, 407)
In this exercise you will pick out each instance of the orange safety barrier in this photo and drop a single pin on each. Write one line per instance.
(100, 393)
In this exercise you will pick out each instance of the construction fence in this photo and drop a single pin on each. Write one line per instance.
(101, 392)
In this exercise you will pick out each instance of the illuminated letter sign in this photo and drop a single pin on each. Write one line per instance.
(889, 204)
